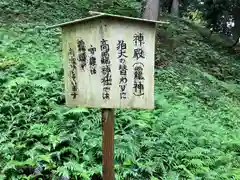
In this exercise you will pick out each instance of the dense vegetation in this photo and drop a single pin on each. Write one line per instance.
(193, 133)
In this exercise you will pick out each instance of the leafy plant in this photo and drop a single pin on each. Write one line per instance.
(193, 133)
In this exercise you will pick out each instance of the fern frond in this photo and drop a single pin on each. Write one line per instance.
(41, 83)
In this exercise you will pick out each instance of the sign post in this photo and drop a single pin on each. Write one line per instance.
(108, 143)
(109, 64)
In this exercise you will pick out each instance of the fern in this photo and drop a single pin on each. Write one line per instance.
(63, 171)
(193, 132)
(41, 83)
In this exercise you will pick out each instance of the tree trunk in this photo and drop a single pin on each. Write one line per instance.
(236, 28)
(236, 42)
(175, 8)
(152, 9)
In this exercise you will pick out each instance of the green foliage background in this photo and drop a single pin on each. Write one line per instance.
(193, 133)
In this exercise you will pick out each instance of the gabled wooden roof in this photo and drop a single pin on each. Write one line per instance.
(100, 15)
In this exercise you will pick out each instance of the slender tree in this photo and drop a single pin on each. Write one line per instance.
(236, 28)
(152, 10)
(175, 8)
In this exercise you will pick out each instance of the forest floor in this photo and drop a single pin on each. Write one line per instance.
(193, 133)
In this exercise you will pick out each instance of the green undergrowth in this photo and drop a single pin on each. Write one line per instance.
(53, 11)
(193, 133)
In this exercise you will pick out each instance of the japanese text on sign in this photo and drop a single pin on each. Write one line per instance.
(73, 72)
(82, 57)
(109, 63)
(121, 48)
(106, 79)
(106, 76)
(109, 69)
(92, 60)
(138, 66)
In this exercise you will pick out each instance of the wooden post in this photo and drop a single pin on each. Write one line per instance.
(108, 143)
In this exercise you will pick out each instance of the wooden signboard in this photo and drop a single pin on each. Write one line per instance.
(109, 62)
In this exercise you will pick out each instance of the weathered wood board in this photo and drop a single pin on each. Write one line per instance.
(109, 63)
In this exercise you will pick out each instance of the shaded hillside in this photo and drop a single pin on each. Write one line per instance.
(53, 11)
(193, 133)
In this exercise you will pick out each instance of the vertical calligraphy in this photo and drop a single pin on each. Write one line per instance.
(92, 60)
(82, 57)
(73, 72)
(106, 78)
(121, 49)
(138, 66)
(138, 40)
